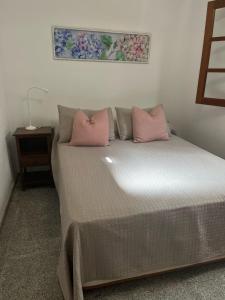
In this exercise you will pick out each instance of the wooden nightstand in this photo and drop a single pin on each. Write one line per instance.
(34, 152)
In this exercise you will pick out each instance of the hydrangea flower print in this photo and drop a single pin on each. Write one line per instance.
(94, 45)
(87, 46)
(132, 48)
(61, 36)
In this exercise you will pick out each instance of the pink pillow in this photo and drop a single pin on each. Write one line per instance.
(149, 126)
(92, 131)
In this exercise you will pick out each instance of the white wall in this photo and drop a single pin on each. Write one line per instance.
(6, 181)
(171, 77)
(25, 26)
(202, 125)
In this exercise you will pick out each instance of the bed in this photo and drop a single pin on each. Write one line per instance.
(130, 210)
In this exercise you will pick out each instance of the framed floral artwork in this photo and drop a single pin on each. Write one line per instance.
(93, 45)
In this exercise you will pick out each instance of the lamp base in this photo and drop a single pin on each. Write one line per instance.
(31, 127)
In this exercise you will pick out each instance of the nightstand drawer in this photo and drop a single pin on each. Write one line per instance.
(34, 160)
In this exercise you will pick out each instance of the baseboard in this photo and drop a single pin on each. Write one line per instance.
(6, 202)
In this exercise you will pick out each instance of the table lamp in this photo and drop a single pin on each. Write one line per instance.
(30, 126)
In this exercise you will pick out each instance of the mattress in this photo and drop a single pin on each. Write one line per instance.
(133, 209)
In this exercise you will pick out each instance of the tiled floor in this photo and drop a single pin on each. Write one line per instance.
(29, 246)
(29, 250)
